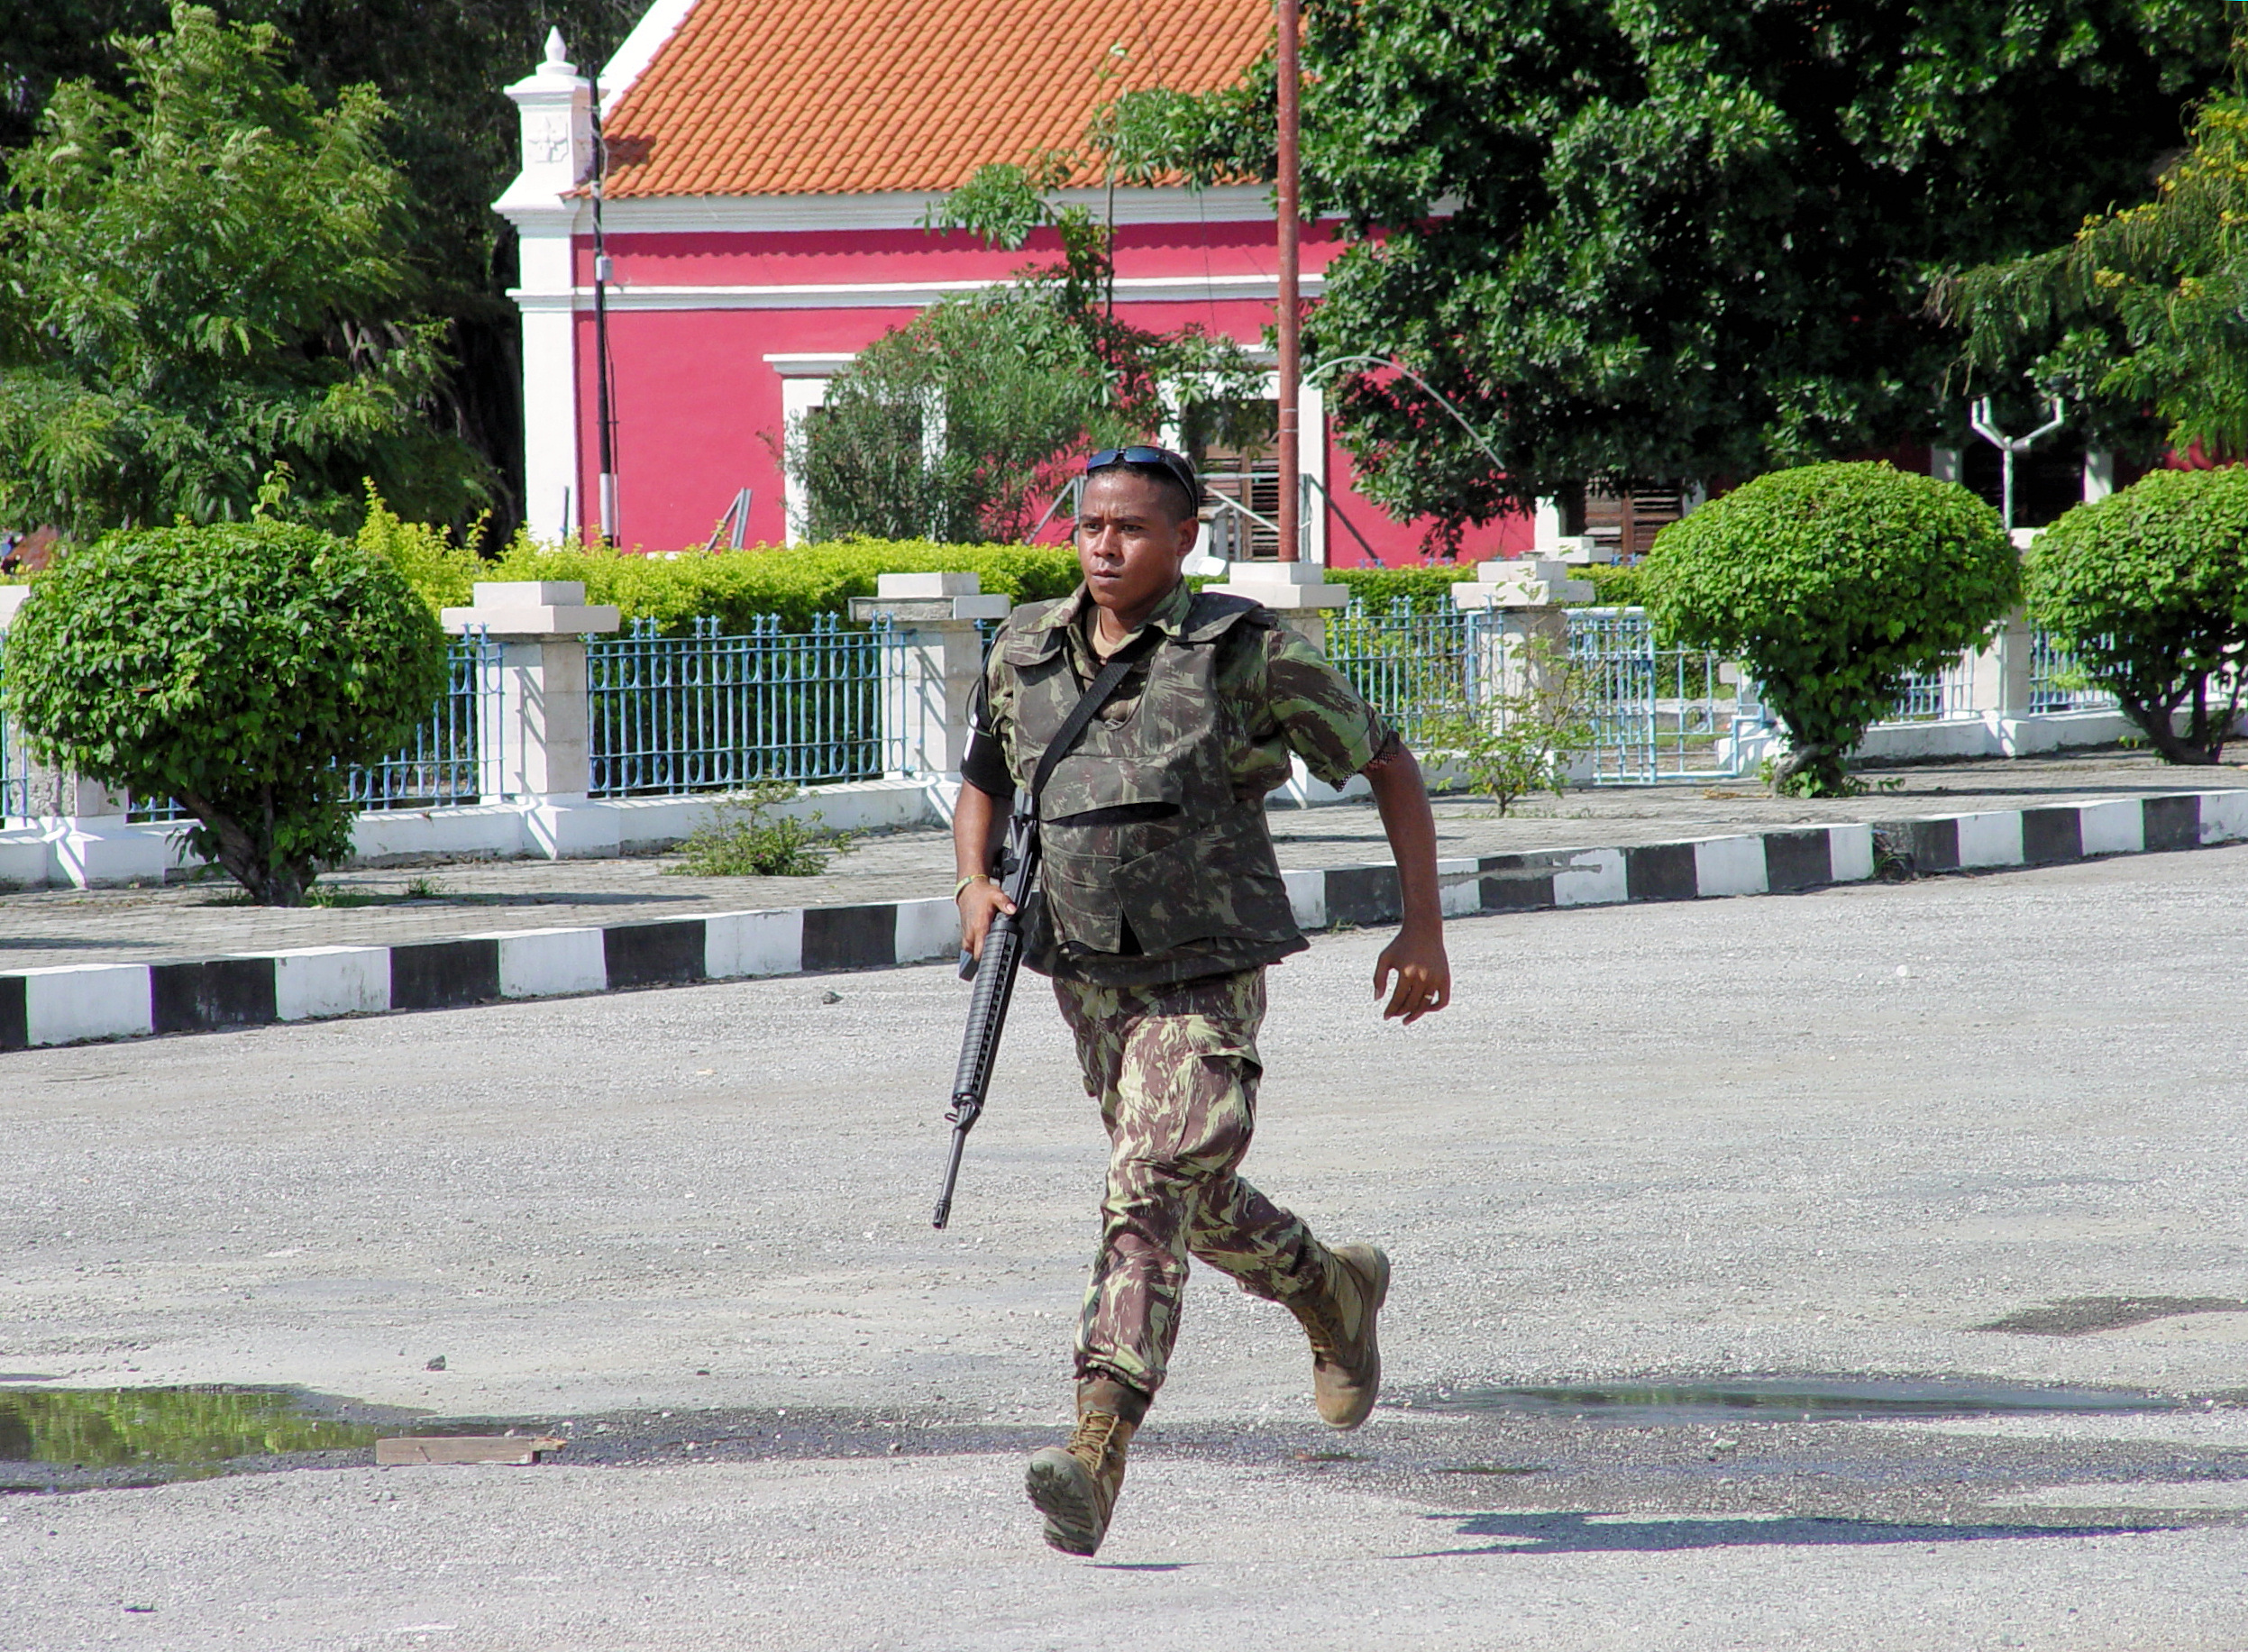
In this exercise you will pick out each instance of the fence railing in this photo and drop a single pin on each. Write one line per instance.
(2057, 681)
(707, 712)
(1657, 713)
(1410, 666)
(15, 785)
(453, 759)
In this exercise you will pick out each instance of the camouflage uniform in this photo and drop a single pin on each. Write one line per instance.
(1161, 977)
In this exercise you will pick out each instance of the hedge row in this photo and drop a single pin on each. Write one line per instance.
(800, 581)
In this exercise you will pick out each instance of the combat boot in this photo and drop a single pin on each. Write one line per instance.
(1074, 1484)
(1339, 1317)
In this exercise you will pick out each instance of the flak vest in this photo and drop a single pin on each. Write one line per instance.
(1155, 872)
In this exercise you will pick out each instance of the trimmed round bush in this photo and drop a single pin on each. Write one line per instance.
(1831, 583)
(2149, 587)
(235, 668)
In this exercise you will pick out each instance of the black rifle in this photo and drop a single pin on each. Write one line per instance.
(994, 973)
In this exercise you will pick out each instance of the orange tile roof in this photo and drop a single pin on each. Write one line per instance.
(847, 97)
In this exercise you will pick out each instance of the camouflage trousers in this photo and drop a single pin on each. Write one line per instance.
(1174, 1069)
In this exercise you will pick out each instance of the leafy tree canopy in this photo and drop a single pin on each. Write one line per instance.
(235, 668)
(1832, 581)
(2149, 588)
(959, 427)
(1648, 243)
(440, 66)
(205, 278)
(2144, 306)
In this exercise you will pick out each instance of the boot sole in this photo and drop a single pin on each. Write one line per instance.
(1376, 1262)
(1063, 1494)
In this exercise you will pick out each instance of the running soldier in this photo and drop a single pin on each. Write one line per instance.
(1161, 904)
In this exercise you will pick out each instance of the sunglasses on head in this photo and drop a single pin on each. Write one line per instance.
(1177, 466)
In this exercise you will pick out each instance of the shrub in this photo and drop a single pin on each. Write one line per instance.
(235, 667)
(1520, 742)
(443, 573)
(2149, 588)
(741, 842)
(1833, 581)
(793, 582)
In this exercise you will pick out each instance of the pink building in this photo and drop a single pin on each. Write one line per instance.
(771, 166)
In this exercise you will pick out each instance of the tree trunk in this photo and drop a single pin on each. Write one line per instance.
(247, 861)
(2195, 749)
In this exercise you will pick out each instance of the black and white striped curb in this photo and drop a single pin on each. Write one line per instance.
(72, 1003)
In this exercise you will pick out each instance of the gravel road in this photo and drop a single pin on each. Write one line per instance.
(1823, 1135)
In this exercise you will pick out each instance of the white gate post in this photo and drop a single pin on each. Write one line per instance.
(545, 726)
(926, 708)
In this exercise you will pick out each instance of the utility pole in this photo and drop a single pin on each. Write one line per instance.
(603, 416)
(1291, 309)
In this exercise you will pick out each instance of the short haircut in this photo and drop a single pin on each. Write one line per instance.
(1174, 476)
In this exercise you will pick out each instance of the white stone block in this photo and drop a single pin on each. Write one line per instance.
(2223, 816)
(85, 854)
(928, 930)
(572, 831)
(925, 584)
(753, 943)
(24, 863)
(1595, 878)
(549, 963)
(1459, 892)
(2115, 825)
(1850, 852)
(1993, 838)
(74, 1001)
(1307, 898)
(313, 981)
(1730, 866)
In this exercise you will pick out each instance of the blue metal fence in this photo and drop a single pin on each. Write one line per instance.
(1411, 666)
(706, 712)
(2057, 681)
(1657, 713)
(15, 785)
(453, 759)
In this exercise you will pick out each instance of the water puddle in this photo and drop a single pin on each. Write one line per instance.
(1791, 1400)
(54, 1437)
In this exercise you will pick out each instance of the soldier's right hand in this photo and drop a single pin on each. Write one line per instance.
(979, 903)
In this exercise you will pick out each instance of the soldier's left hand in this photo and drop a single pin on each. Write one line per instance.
(1423, 975)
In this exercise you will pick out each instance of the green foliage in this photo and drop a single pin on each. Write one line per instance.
(2149, 588)
(233, 668)
(1517, 743)
(2147, 305)
(211, 276)
(962, 425)
(1831, 583)
(742, 840)
(441, 70)
(1425, 590)
(795, 582)
(1689, 240)
(441, 570)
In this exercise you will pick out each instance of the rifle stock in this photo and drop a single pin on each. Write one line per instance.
(994, 977)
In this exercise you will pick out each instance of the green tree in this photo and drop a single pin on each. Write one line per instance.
(1646, 243)
(2148, 587)
(209, 279)
(958, 425)
(2148, 304)
(237, 668)
(440, 65)
(1832, 581)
